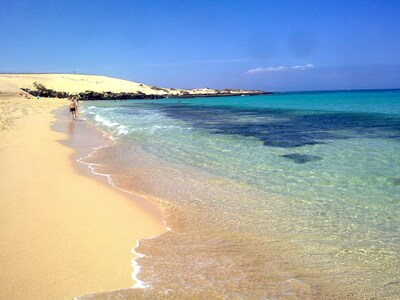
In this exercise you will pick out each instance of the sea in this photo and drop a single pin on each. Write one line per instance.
(286, 196)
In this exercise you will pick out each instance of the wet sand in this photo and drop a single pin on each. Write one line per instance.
(62, 233)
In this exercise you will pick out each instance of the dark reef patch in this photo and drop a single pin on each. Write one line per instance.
(395, 181)
(283, 127)
(302, 158)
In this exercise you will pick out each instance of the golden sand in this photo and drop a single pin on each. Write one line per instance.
(73, 83)
(62, 234)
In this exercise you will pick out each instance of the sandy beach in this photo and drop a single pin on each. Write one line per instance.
(63, 233)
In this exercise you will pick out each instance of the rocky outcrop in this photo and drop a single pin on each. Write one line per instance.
(46, 93)
(221, 94)
(90, 95)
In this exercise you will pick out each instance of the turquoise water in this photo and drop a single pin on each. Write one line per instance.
(288, 196)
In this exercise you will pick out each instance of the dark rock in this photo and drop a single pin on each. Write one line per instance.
(42, 91)
(302, 158)
(395, 181)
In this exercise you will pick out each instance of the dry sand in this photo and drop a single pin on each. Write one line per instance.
(62, 234)
(74, 83)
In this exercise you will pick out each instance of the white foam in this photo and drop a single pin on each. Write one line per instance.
(139, 284)
(104, 121)
(136, 267)
(122, 130)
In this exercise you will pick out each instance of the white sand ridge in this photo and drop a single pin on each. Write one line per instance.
(75, 84)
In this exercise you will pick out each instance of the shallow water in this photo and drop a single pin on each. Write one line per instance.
(291, 196)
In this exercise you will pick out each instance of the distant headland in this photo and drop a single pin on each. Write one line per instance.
(94, 87)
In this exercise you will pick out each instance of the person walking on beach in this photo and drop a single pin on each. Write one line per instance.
(76, 100)
(73, 108)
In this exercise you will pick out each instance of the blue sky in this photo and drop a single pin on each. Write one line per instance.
(253, 44)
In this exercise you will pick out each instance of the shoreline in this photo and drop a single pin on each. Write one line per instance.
(86, 144)
(85, 141)
(64, 233)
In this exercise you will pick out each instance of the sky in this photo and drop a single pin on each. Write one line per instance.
(254, 44)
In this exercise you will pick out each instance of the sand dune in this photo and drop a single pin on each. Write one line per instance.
(74, 84)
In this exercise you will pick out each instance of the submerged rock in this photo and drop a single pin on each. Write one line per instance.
(395, 181)
(302, 158)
